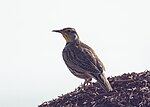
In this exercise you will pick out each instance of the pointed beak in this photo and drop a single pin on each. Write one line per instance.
(58, 31)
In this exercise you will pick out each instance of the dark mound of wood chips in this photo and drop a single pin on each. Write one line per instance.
(130, 90)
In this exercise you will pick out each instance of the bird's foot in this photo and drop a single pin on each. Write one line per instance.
(85, 85)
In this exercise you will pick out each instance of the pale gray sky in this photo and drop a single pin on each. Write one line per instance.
(31, 65)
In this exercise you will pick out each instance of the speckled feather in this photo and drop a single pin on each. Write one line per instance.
(81, 55)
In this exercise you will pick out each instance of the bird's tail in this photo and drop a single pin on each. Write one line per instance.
(102, 80)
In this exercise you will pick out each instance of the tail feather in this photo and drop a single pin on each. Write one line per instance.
(102, 80)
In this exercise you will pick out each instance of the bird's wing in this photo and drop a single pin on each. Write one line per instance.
(87, 60)
(93, 59)
(100, 65)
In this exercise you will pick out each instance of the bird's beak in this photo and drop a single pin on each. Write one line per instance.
(59, 31)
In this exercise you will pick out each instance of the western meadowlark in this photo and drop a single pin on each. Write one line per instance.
(82, 60)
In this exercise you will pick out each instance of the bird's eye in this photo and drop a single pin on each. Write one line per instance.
(68, 30)
(71, 31)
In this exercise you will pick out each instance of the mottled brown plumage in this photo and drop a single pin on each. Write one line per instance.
(81, 60)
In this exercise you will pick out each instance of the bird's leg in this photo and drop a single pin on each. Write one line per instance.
(87, 81)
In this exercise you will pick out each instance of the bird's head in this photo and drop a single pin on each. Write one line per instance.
(69, 34)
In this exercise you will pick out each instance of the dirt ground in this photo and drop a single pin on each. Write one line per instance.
(129, 90)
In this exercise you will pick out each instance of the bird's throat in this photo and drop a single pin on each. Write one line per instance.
(66, 38)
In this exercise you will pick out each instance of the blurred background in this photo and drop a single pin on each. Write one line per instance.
(31, 66)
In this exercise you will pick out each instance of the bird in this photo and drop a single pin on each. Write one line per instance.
(82, 60)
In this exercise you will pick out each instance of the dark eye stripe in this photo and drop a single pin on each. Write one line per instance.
(71, 31)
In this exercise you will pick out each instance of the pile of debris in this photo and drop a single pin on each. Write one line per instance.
(129, 90)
